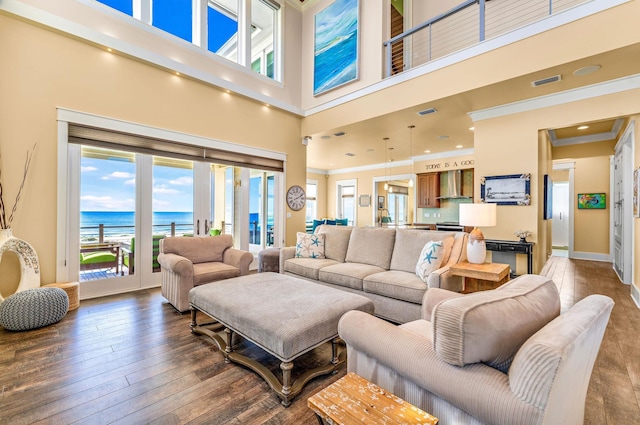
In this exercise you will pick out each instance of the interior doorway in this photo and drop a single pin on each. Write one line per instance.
(622, 226)
(560, 224)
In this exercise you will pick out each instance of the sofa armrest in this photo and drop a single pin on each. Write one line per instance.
(177, 279)
(434, 296)
(480, 390)
(238, 258)
(176, 264)
(442, 278)
(286, 254)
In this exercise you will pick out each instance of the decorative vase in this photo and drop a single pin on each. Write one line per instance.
(523, 239)
(29, 265)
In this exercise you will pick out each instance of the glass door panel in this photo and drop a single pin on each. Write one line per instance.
(172, 202)
(107, 212)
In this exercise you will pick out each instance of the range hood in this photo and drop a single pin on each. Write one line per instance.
(454, 186)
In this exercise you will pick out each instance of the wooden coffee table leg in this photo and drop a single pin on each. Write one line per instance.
(334, 352)
(229, 348)
(286, 383)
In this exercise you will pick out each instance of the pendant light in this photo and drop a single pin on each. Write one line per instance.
(411, 127)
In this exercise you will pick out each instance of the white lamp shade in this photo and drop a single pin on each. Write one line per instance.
(478, 215)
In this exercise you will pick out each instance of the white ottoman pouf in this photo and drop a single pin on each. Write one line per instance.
(33, 308)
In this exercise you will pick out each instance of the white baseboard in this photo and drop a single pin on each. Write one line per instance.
(593, 256)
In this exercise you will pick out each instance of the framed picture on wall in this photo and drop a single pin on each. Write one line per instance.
(380, 202)
(548, 197)
(335, 44)
(592, 201)
(511, 189)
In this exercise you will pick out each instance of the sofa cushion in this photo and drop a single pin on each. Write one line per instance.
(349, 275)
(309, 246)
(409, 243)
(336, 241)
(432, 257)
(490, 326)
(213, 271)
(307, 267)
(198, 250)
(371, 246)
(396, 284)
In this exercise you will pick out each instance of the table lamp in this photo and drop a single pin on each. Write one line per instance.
(477, 215)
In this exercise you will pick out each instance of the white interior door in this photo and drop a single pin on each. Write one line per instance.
(560, 236)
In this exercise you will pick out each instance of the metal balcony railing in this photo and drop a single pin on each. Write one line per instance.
(465, 25)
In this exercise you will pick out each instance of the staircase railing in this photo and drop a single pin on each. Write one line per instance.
(467, 24)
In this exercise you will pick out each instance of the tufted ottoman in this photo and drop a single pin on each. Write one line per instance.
(269, 260)
(33, 308)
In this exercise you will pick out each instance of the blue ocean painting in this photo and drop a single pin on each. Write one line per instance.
(336, 46)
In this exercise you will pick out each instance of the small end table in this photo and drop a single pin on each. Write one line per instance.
(354, 400)
(481, 277)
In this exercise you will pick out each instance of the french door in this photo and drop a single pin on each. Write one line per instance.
(122, 204)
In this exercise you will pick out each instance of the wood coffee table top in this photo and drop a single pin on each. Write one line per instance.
(354, 400)
(487, 271)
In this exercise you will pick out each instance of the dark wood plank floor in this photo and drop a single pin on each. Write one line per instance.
(131, 359)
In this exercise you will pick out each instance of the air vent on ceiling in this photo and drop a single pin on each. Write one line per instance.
(548, 80)
(427, 111)
(350, 154)
(339, 133)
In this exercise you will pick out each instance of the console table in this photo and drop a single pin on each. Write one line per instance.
(512, 248)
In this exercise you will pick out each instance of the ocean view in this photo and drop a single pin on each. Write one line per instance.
(120, 224)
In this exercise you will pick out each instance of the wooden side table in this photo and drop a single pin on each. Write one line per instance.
(481, 277)
(354, 400)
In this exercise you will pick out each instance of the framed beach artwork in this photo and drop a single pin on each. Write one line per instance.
(591, 201)
(511, 189)
(336, 46)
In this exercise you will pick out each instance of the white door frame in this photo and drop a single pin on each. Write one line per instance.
(626, 146)
(570, 166)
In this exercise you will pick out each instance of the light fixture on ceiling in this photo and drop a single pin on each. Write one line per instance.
(472, 128)
(442, 137)
(586, 70)
(427, 151)
(583, 127)
(325, 137)
(386, 149)
(459, 146)
(411, 127)
(390, 161)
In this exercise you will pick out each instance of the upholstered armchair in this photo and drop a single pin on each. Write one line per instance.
(504, 356)
(186, 262)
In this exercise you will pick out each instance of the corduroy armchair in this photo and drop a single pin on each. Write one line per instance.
(494, 357)
(186, 262)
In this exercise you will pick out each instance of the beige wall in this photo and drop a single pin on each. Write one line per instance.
(636, 222)
(510, 145)
(49, 70)
(544, 167)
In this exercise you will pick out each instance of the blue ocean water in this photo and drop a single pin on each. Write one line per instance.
(121, 223)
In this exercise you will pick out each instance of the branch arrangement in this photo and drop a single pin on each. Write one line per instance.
(4, 223)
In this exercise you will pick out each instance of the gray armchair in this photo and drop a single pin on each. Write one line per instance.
(504, 356)
(186, 262)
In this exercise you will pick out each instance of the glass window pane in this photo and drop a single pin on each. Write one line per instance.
(270, 64)
(173, 16)
(255, 65)
(263, 19)
(222, 28)
(312, 190)
(124, 6)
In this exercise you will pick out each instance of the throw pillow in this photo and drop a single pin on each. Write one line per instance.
(330, 222)
(430, 259)
(316, 223)
(342, 221)
(309, 246)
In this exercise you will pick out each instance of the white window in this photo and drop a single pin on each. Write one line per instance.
(312, 200)
(346, 202)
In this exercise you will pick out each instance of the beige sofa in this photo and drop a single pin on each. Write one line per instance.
(380, 264)
(186, 262)
(494, 357)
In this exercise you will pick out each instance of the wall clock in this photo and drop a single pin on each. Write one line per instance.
(296, 198)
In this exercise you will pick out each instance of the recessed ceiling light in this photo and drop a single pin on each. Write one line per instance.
(325, 137)
(427, 151)
(586, 70)
(177, 73)
(109, 49)
(583, 127)
(442, 137)
(459, 146)
(472, 128)
(370, 150)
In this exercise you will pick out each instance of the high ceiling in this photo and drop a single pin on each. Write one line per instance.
(450, 126)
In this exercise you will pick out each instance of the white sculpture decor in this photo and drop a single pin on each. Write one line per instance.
(29, 265)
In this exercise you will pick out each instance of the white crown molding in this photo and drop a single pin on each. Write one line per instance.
(563, 164)
(550, 22)
(604, 88)
(447, 154)
(598, 137)
(317, 171)
(33, 14)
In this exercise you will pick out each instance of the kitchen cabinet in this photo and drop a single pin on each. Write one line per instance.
(428, 190)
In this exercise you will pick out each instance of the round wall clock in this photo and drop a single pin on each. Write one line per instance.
(296, 198)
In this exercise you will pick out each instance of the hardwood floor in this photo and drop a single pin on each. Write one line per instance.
(131, 359)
